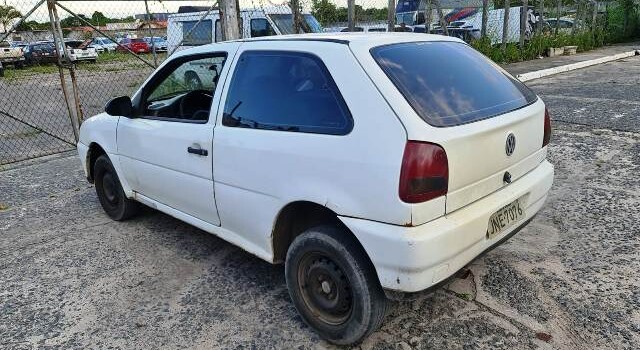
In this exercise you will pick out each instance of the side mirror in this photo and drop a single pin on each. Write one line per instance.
(120, 106)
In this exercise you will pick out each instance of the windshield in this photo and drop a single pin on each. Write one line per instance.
(284, 22)
(406, 18)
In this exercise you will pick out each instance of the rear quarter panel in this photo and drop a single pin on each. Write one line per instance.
(258, 172)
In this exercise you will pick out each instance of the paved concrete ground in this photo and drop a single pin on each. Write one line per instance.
(71, 278)
(550, 62)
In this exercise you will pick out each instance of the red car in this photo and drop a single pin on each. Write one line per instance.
(135, 45)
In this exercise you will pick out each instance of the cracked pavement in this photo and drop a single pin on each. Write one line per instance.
(71, 278)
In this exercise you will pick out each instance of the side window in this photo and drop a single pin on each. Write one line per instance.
(285, 91)
(261, 27)
(195, 33)
(184, 89)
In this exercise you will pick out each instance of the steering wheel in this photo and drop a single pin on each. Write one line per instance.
(194, 101)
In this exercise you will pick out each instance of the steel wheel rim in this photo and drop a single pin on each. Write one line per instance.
(325, 289)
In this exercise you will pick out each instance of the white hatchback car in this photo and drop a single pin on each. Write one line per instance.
(371, 165)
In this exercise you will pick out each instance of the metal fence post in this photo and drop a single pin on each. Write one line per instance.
(153, 44)
(505, 24)
(351, 15)
(72, 69)
(63, 55)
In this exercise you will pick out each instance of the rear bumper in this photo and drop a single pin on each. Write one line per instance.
(11, 60)
(411, 259)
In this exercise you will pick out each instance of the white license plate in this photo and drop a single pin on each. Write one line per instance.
(505, 218)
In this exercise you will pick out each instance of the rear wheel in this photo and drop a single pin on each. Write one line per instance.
(109, 190)
(334, 286)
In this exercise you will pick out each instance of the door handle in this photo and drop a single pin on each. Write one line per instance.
(198, 151)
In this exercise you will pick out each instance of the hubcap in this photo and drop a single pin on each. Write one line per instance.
(325, 288)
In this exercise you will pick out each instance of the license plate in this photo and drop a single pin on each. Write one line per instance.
(505, 218)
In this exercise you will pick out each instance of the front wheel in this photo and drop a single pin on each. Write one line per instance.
(110, 193)
(333, 285)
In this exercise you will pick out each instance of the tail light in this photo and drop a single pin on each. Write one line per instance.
(547, 128)
(425, 172)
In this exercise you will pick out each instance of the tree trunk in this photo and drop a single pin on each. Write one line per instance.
(351, 15)
(524, 11)
(443, 23)
(297, 21)
(391, 15)
(428, 17)
(485, 17)
(505, 24)
(540, 16)
(230, 27)
(558, 5)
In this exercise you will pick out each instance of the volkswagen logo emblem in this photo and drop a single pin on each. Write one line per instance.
(510, 144)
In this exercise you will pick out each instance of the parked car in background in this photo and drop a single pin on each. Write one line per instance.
(156, 43)
(564, 24)
(80, 51)
(187, 29)
(134, 45)
(101, 44)
(11, 55)
(279, 150)
(20, 44)
(40, 53)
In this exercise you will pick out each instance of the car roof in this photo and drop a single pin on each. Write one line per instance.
(362, 40)
(374, 39)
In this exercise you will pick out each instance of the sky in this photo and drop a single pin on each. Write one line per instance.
(124, 8)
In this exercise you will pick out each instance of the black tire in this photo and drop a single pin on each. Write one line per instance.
(19, 65)
(333, 285)
(110, 193)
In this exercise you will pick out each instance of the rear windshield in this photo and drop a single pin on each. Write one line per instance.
(449, 83)
(137, 40)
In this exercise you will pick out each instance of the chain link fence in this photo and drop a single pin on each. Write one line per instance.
(63, 59)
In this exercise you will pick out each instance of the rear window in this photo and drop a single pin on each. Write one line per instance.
(450, 83)
(137, 40)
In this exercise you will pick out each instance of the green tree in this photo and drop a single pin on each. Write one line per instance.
(7, 15)
(324, 11)
(98, 18)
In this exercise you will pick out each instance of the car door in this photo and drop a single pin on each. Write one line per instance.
(166, 150)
